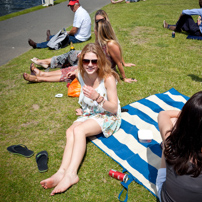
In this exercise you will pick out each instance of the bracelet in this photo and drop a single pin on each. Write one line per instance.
(102, 103)
(101, 100)
(97, 97)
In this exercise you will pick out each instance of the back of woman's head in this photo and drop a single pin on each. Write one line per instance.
(185, 141)
(103, 14)
(104, 66)
(105, 32)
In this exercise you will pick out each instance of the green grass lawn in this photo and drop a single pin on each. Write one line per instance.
(31, 115)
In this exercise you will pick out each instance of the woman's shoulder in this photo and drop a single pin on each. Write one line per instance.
(109, 80)
(112, 43)
(113, 46)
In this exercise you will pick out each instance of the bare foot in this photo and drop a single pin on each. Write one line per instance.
(39, 62)
(53, 180)
(34, 71)
(67, 181)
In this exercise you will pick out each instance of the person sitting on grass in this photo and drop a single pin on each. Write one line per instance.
(105, 37)
(100, 113)
(180, 175)
(186, 22)
(81, 30)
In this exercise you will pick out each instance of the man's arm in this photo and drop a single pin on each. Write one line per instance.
(73, 31)
(192, 12)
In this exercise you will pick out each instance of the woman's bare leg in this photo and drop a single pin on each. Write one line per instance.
(80, 132)
(46, 74)
(49, 78)
(57, 177)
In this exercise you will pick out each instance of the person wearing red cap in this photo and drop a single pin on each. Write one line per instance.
(81, 30)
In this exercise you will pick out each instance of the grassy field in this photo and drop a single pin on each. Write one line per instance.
(31, 115)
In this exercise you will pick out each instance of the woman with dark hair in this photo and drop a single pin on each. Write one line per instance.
(101, 112)
(180, 175)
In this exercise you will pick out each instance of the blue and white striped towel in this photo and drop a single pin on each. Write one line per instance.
(141, 160)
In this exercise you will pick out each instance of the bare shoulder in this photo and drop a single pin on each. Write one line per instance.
(112, 45)
(109, 81)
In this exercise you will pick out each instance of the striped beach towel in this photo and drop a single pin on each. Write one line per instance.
(140, 160)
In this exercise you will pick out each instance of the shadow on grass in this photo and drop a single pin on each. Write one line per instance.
(195, 78)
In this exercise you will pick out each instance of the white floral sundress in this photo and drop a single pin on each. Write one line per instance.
(108, 122)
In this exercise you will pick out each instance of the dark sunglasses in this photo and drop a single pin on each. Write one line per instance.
(87, 61)
(100, 20)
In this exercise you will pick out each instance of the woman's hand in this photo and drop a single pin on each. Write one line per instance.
(129, 80)
(90, 92)
(73, 73)
(79, 112)
(129, 65)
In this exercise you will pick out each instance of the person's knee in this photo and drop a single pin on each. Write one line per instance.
(78, 132)
(69, 134)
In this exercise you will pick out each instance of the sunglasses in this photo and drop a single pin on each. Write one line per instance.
(87, 61)
(100, 20)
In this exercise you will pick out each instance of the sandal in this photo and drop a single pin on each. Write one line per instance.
(30, 78)
(20, 149)
(32, 68)
(39, 63)
(42, 161)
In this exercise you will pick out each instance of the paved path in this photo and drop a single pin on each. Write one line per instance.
(15, 32)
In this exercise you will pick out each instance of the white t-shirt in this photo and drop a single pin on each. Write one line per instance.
(82, 21)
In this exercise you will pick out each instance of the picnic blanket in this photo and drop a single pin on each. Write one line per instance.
(141, 160)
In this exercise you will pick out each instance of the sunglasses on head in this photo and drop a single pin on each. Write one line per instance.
(87, 61)
(100, 20)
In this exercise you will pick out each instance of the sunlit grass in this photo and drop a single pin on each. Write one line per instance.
(31, 115)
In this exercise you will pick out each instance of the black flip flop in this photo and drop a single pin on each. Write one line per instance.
(42, 160)
(20, 149)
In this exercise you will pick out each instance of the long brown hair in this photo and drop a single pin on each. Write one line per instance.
(105, 34)
(103, 14)
(104, 66)
(185, 141)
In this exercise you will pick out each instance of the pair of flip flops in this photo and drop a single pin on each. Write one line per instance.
(41, 157)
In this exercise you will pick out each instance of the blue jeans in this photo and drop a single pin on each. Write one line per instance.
(187, 24)
(44, 44)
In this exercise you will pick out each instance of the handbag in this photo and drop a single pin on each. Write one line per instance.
(74, 88)
(60, 40)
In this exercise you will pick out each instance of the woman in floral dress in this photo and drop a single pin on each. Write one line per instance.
(101, 112)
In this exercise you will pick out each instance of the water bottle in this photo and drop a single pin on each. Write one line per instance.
(71, 46)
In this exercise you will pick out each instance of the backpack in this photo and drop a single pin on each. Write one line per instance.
(60, 40)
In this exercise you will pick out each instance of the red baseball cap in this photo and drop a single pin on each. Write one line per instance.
(72, 2)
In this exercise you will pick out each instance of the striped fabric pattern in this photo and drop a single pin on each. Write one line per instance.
(141, 160)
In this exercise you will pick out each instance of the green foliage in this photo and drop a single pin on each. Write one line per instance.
(31, 115)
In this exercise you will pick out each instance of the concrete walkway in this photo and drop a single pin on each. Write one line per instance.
(15, 32)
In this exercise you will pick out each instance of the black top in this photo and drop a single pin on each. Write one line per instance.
(182, 188)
